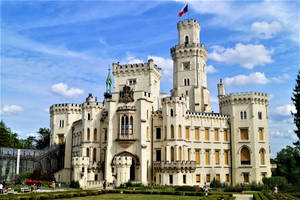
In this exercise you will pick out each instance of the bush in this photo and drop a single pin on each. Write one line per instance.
(74, 184)
(215, 184)
(186, 188)
(275, 180)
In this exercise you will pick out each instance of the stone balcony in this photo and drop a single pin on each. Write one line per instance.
(184, 166)
(126, 140)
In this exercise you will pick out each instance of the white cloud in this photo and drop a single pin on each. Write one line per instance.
(253, 78)
(264, 30)
(63, 90)
(278, 133)
(47, 110)
(240, 16)
(247, 56)
(210, 69)
(11, 109)
(280, 78)
(285, 110)
(166, 65)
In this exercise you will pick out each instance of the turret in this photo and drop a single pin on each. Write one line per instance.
(221, 89)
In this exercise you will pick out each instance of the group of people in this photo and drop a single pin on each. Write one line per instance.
(3, 188)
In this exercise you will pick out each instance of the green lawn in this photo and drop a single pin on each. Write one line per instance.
(135, 197)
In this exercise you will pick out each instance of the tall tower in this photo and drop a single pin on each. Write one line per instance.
(189, 66)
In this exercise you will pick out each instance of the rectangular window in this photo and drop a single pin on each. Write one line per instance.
(207, 178)
(225, 135)
(158, 133)
(217, 157)
(184, 179)
(244, 134)
(207, 134)
(246, 177)
(227, 178)
(96, 177)
(132, 81)
(197, 156)
(198, 178)
(147, 133)
(189, 154)
(197, 136)
(207, 159)
(259, 115)
(261, 134)
(158, 155)
(171, 179)
(60, 139)
(187, 133)
(226, 157)
(216, 134)
(218, 177)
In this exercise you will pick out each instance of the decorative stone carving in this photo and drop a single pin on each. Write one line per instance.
(126, 95)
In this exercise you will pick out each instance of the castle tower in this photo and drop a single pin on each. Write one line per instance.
(189, 66)
(249, 134)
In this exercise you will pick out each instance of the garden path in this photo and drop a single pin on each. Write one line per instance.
(243, 196)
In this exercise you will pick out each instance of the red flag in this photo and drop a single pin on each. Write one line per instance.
(184, 10)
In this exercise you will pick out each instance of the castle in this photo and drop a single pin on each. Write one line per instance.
(141, 135)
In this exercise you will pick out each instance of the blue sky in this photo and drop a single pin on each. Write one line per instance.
(59, 51)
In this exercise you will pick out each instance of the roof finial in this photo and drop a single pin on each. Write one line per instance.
(108, 82)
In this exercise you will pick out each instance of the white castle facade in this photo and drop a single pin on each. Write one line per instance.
(138, 134)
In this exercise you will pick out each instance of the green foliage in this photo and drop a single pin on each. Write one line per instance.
(288, 162)
(186, 188)
(74, 184)
(216, 184)
(24, 176)
(275, 180)
(296, 102)
(44, 138)
(8, 138)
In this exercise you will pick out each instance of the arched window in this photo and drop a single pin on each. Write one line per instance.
(147, 133)
(165, 132)
(172, 154)
(123, 125)
(184, 82)
(241, 114)
(245, 115)
(186, 39)
(88, 134)
(126, 125)
(94, 154)
(188, 81)
(171, 112)
(131, 126)
(95, 134)
(172, 131)
(87, 152)
(179, 153)
(262, 156)
(245, 156)
(89, 116)
(179, 132)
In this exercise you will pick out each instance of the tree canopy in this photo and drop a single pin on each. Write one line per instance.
(296, 102)
(10, 139)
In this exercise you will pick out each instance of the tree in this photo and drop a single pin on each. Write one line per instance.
(296, 102)
(8, 138)
(28, 143)
(44, 138)
(288, 162)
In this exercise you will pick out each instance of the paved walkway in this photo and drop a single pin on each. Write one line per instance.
(243, 196)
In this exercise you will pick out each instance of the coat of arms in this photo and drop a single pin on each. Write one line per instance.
(126, 95)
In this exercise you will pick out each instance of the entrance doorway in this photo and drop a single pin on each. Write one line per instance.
(132, 170)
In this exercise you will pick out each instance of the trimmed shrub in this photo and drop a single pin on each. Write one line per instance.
(275, 180)
(74, 184)
(186, 188)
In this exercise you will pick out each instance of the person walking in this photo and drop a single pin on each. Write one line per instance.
(1, 188)
(275, 189)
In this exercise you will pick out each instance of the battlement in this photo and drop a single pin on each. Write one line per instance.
(193, 49)
(188, 22)
(137, 67)
(245, 96)
(206, 115)
(65, 107)
(167, 100)
(80, 161)
(123, 161)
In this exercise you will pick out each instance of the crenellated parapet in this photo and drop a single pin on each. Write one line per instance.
(189, 50)
(92, 105)
(244, 98)
(137, 68)
(123, 161)
(80, 161)
(174, 100)
(65, 108)
(178, 166)
(204, 115)
(188, 24)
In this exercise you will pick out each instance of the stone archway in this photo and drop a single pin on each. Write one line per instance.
(127, 166)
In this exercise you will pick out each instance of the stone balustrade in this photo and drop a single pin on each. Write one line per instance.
(175, 165)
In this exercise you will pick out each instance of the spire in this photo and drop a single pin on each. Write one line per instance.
(107, 94)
